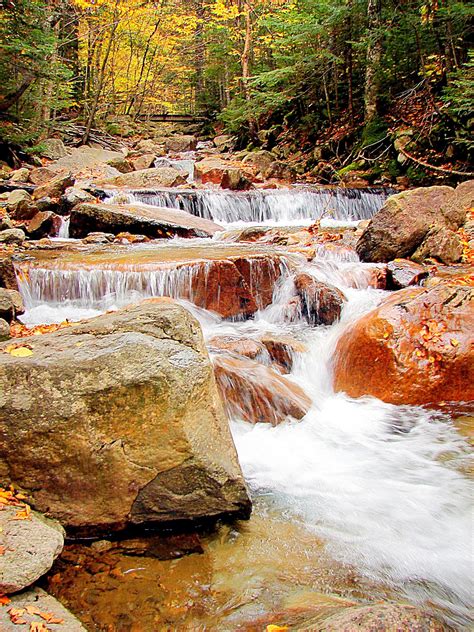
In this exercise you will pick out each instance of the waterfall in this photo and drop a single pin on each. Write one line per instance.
(110, 287)
(63, 232)
(300, 206)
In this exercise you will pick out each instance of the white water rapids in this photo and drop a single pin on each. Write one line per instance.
(385, 486)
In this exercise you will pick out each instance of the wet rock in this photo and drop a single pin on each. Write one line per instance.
(31, 546)
(283, 350)
(256, 393)
(128, 238)
(54, 188)
(417, 345)
(145, 161)
(4, 330)
(177, 144)
(440, 243)
(99, 238)
(11, 304)
(246, 347)
(146, 440)
(322, 303)
(378, 618)
(20, 175)
(42, 175)
(405, 219)
(12, 236)
(38, 599)
(150, 221)
(53, 148)
(261, 275)
(157, 177)
(402, 273)
(42, 224)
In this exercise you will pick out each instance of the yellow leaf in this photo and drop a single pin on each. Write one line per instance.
(454, 342)
(21, 352)
(276, 628)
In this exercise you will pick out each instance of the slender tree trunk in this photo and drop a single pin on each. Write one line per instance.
(374, 58)
(100, 83)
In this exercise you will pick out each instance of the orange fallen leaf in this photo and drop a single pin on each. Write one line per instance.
(4, 600)
(16, 615)
(50, 618)
(2, 550)
(32, 610)
(38, 627)
(23, 514)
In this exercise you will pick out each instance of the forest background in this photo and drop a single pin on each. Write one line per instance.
(344, 82)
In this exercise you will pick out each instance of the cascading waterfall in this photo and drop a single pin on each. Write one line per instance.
(108, 287)
(384, 486)
(284, 207)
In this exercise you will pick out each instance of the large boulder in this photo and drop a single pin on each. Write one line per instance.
(12, 236)
(150, 221)
(256, 393)
(117, 421)
(157, 177)
(31, 543)
(35, 607)
(412, 349)
(406, 218)
(322, 303)
(230, 287)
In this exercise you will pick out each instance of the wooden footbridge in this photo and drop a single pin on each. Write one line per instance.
(172, 117)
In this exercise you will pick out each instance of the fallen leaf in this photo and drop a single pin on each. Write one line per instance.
(38, 627)
(2, 550)
(16, 615)
(23, 514)
(454, 342)
(18, 352)
(4, 600)
(50, 618)
(276, 628)
(32, 610)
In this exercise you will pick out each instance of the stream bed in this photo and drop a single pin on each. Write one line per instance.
(358, 502)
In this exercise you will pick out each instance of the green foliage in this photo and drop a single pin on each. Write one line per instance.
(459, 99)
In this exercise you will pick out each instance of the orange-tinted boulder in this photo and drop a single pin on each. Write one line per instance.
(257, 393)
(402, 273)
(322, 303)
(283, 349)
(415, 348)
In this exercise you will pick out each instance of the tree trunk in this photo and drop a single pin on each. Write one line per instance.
(374, 58)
